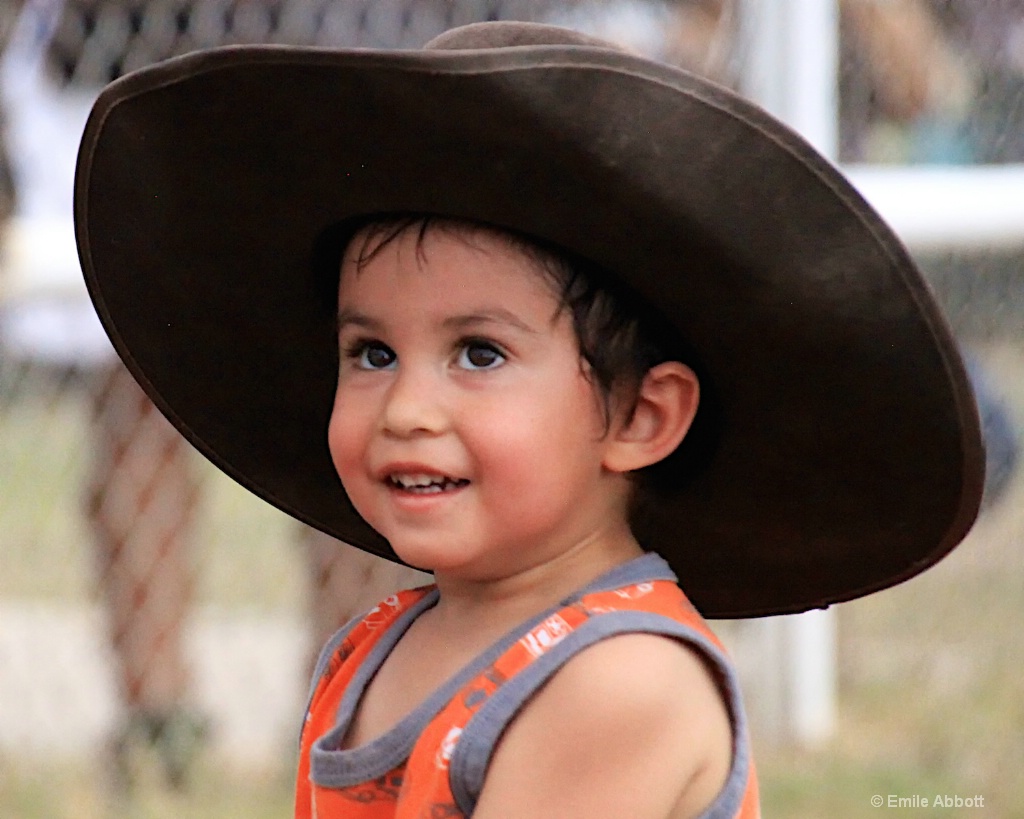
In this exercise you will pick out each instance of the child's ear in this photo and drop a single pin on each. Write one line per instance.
(665, 406)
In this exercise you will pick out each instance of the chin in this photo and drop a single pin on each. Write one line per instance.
(425, 556)
(435, 557)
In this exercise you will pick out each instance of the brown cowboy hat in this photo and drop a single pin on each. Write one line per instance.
(848, 455)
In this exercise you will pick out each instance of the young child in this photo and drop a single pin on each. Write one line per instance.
(593, 329)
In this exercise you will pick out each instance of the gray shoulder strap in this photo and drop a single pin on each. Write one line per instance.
(328, 651)
(473, 753)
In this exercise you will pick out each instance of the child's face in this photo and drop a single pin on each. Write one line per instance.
(464, 428)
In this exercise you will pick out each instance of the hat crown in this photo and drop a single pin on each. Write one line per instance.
(509, 33)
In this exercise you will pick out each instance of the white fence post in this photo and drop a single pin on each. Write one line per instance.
(789, 54)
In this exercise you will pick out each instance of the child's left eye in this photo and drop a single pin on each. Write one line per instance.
(480, 355)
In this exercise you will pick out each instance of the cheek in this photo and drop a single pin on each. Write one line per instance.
(344, 441)
(540, 444)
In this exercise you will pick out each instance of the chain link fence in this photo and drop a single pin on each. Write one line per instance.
(157, 623)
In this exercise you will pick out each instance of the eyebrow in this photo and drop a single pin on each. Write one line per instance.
(347, 317)
(497, 315)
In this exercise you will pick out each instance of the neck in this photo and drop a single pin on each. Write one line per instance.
(501, 603)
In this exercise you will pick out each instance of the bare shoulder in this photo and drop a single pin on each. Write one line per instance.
(635, 725)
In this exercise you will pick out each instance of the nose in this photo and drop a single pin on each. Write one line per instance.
(414, 404)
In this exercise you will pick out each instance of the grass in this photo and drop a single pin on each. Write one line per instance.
(932, 699)
(70, 791)
(931, 690)
(40, 478)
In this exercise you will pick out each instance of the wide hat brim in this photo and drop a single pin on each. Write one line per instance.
(849, 457)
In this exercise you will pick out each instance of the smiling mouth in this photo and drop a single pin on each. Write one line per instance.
(425, 484)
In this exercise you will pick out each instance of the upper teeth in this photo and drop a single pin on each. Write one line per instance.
(409, 481)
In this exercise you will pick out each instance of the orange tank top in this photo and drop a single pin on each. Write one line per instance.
(432, 764)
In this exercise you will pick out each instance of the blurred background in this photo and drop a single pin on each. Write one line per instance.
(157, 623)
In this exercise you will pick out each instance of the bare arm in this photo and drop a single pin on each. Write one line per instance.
(633, 726)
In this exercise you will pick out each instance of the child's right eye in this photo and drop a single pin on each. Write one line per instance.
(372, 355)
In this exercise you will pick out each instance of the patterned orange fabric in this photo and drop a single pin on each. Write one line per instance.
(374, 799)
(421, 787)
